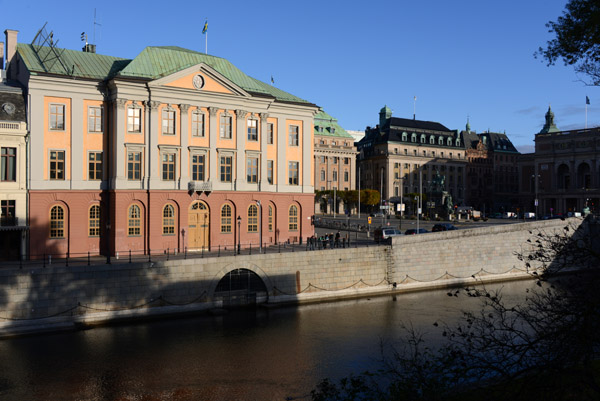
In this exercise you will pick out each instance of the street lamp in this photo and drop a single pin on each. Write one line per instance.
(259, 226)
(536, 177)
(239, 220)
(381, 197)
(418, 211)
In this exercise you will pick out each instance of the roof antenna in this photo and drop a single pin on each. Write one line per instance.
(95, 23)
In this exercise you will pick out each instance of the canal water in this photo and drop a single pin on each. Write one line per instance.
(262, 354)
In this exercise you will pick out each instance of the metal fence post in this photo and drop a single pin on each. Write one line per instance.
(88, 258)
(130, 256)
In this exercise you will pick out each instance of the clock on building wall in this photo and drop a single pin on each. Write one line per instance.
(8, 108)
(198, 81)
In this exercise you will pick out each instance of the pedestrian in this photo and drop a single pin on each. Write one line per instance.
(337, 239)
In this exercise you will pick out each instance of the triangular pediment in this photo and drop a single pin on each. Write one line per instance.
(202, 78)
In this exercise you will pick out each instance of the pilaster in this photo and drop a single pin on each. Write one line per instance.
(78, 166)
(118, 146)
(262, 180)
(184, 141)
(212, 173)
(240, 144)
(151, 156)
(307, 146)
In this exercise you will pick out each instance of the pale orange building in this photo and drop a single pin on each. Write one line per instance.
(171, 150)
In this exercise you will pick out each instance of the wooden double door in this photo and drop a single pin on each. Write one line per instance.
(199, 226)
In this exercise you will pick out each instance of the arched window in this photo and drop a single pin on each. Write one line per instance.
(94, 221)
(270, 218)
(293, 218)
(449, 142)
(422, 138)
(168, 220)
(57, 222)
(404, 137)
(413, 138)
(252, 219)
(458, 142)
(134, 221)
(432, 140)
(441, 140)
(226, 219)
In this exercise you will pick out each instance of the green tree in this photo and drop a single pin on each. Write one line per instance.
(369, 197)
(577, 40)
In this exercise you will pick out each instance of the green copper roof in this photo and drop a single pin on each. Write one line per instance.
(329, 125)
(152, 63)
(76, 64)
(158, 62)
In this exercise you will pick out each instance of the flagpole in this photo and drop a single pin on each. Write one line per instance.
(586, 116)
(206, 43)
(415, 108)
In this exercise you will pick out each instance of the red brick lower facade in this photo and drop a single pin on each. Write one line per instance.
(141, 221)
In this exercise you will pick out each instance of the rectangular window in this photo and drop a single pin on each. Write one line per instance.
(270, 171)
(133, 119)
(270, 133)
(134, 166)
(226, 168)
(95, 165)
(346, 176)
(198, 167)
(293, 173)
(57, 165)
(95, 122)
(8, 167)
(335, 160)
(225, 127)
(57, 116)
(252, 130)
(322, 159)
(168, 166)
(197, 124)
(396, 170)
(252, 170)
(7, 213)
(346, 160)
(334, 175)
(293, 135)
(322, 175)
(168, 122)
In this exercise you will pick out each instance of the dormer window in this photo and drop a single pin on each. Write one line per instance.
(441, 140)
(431, 140)
(332, 130)
(319, 129)
(413, 138)
(449, 142)
(404, 137)
(422, 138)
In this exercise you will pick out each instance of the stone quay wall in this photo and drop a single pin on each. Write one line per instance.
(55, 298)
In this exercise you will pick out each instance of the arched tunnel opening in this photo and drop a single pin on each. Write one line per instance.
(241, 288)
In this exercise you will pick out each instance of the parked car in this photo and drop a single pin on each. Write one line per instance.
(413, 231)
(385, 234)
(376, 214)
(443, 227)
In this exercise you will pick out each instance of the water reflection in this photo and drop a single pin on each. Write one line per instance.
(263, 354)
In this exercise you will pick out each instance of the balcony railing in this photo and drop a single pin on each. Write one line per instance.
(9, 221)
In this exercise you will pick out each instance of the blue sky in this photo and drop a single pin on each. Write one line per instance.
(460, 58)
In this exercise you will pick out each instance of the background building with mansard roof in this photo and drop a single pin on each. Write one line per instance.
(401, 156)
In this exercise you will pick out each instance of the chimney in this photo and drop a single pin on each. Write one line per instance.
(11, 51)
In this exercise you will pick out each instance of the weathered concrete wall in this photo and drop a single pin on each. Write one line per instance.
(90, 294)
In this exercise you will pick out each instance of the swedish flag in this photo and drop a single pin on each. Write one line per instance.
(205, 27)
